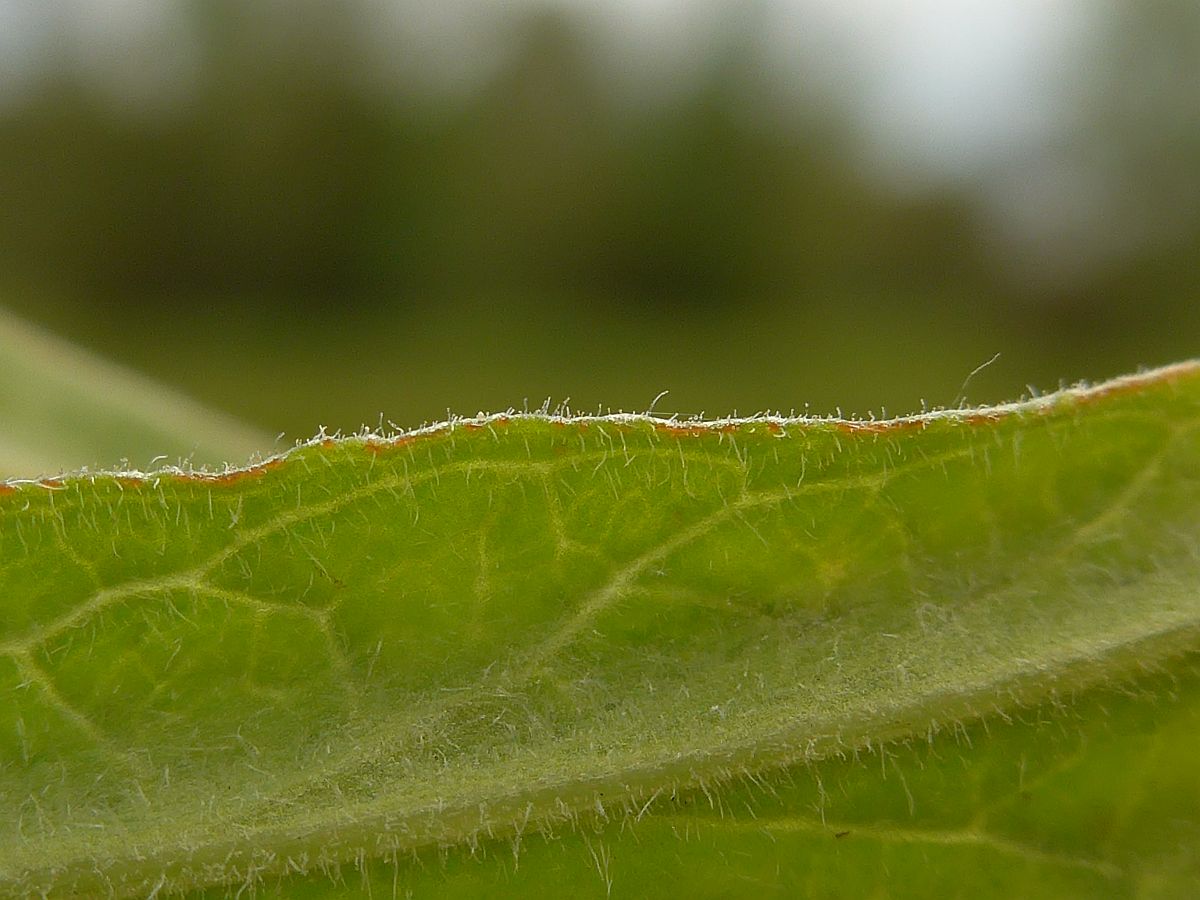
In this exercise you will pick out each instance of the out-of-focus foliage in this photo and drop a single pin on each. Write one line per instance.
(63, 408)
(309, 229)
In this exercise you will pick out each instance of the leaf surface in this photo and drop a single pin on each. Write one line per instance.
(621, 655)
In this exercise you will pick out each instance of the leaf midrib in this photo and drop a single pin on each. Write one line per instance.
(379, 831)
(1075, 670)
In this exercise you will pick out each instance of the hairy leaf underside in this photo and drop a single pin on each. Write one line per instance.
(951, 654)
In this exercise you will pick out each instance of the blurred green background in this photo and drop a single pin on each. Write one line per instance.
(335, 213)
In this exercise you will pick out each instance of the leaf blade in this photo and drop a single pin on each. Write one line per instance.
(383, 646)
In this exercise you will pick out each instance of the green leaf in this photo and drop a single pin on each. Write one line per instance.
(953, 654)
(64, 409)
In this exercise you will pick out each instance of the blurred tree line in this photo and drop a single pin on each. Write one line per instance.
(282, 173)
(282, 170)
(289, 175)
